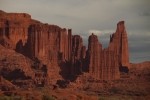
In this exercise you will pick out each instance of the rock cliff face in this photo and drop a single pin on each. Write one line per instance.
(56, 51)
(13, 28)
(43, 43)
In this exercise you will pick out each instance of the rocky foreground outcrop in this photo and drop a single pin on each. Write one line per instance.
(14, 67)
(49, 52)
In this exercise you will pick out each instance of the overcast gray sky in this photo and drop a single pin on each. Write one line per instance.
(98, 16)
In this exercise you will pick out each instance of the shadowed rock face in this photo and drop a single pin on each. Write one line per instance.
(78, 54)
(62, 53)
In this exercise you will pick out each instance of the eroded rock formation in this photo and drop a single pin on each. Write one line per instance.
(103, 64)
(55, 51)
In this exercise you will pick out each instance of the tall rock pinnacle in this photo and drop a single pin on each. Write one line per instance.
(119, 44)
(94, 55)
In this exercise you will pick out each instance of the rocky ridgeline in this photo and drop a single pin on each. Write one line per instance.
(57, 54)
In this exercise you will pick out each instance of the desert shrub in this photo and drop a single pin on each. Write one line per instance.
(114, 90)
(11, 98)
(47, 97)
(113, 97)
(102, 98)
(79, 97)
(4, 98)
(62, 83)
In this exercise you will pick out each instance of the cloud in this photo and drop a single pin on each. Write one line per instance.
(147, 14)
(138, 43)
(100, 33)
(96, 32)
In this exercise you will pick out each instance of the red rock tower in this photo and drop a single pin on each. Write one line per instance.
(102, 64)
(119, 44)
(93, 55)
(124, 48)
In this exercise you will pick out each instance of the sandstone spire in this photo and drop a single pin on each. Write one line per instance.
(93, 55)
(119, 44)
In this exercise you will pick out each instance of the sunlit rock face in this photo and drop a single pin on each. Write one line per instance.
(13, 28)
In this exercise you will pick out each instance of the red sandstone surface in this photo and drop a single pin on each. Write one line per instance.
(34, 54)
